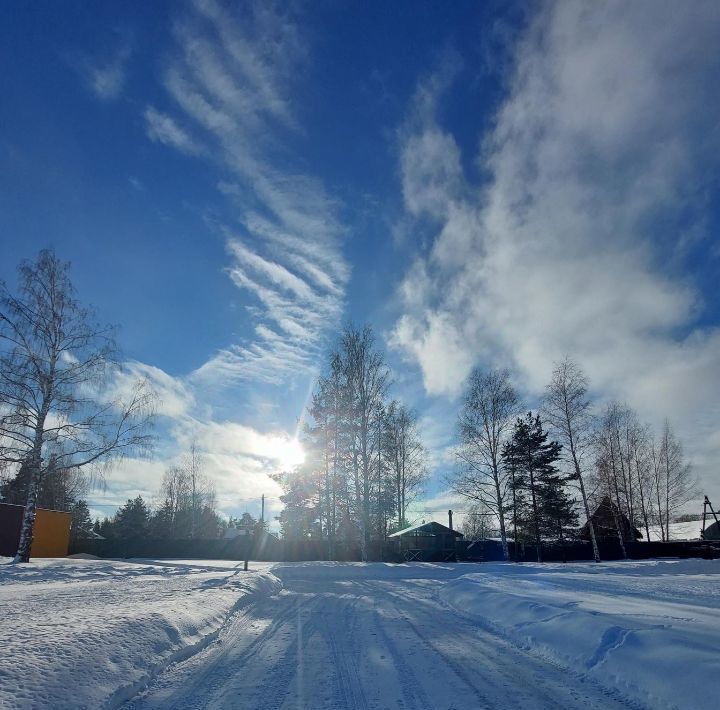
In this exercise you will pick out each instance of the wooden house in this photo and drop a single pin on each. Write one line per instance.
(426, 542)
(605, 521)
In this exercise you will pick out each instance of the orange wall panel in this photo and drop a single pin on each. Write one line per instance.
(51, 536)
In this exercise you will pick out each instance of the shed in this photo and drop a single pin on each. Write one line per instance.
(426, 542)
(51, 534)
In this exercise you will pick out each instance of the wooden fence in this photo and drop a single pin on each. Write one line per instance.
(270, 548)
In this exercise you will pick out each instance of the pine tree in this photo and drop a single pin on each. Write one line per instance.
(162, 523)
(82, 524)
(300, 518)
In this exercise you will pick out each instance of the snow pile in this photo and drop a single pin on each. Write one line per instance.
(651, 628)
(89, 633)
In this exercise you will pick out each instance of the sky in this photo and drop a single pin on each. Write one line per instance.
(497, 184)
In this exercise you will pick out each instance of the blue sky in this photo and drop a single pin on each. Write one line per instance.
(482, 182)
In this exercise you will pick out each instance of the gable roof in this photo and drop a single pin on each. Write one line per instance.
(605, 524)
(430, 529)
(712, 532)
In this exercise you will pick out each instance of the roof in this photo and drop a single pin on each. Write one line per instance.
(426, 530)
(712, 532)
(605, 519)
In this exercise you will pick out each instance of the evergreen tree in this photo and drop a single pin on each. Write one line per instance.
(208, 525)
(162, 523)
(558, 508)
(106, 528)
(82, 524)
(300, 518)
(132, 520)
(57, 490)
(517, 485)
(531, 459)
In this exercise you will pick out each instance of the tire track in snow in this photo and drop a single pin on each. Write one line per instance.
(463, 674)
(338, 641)
(338, 626)
(208, 669)
(509, 673)
(413, 693)
(279, 676)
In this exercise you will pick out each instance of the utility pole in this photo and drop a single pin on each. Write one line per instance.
(262, 510)
(707, 504)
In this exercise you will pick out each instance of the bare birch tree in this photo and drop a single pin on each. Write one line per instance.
(641, 470)
(486, 417)
(368, 379)
(55, 363)
(566, 409)
(608, 468)
(675, 484)
(407, 455)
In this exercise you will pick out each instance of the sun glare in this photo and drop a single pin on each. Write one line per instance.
(289, 454)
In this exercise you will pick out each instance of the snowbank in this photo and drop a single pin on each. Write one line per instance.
(91, 633)
(651, 627)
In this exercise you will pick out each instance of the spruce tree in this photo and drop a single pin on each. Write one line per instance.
(531, 459)
(82, 524)
(517, 483)
(557, 506)
(132, 520)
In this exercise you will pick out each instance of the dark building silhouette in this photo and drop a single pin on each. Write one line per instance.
(604, 520)
(712, 532)
(427, 542)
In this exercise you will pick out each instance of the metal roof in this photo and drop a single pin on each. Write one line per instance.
(426, 530)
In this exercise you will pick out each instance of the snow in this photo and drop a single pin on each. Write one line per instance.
(191, 633)
(353, 636)
(651, 628)
(678, 531)
(90, 633)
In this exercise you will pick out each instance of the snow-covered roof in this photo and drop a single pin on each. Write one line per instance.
(426, 529)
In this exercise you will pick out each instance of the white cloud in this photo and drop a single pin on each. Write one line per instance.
(162, 128)
(107, 79)
(437, 345)
(239, 459)
(174, 398)
(604, 138)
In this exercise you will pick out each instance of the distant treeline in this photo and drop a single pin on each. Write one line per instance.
(533, 476)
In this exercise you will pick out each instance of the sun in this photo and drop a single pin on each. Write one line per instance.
(289, 454)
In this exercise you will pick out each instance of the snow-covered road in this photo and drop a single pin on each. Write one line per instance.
(373, 636)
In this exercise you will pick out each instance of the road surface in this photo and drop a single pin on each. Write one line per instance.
(366, 636)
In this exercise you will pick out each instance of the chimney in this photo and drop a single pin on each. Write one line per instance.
(450, 519)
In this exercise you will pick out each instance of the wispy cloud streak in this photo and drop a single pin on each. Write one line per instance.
(231, 85)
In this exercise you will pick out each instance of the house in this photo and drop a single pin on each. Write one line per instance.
(426, 542)
(604, 521)
(712, 532)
